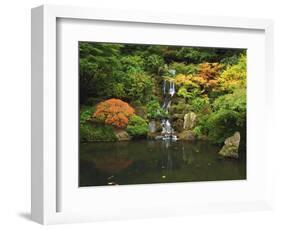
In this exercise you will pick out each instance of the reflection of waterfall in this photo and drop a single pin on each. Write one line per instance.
(187, 155)
(167, 163)
(168, 92)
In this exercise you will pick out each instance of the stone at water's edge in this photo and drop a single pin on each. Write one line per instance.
(231, 146)
(122, 135)
(187, 135)
(152, 136)
(189, 121)
(152, 126)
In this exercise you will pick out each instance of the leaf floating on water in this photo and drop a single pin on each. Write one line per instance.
(110, 177)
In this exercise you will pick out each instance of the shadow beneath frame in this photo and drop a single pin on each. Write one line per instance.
(25, 215)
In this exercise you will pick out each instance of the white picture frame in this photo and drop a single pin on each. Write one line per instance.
(46, 181)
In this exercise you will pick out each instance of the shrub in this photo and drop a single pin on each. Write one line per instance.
(182, 68)
(155, 111)
(153, 63)
(200, 105)
(186, 81)
(114, 112)
(222, 124)
(118, 90)
(208, 76)
(235, 101)
(229, 115)
(189, 95)
(89, 132)
(235, 76)
(139, 87)
(179, 106)
(132, 64)
(137, 127)
(86, 114)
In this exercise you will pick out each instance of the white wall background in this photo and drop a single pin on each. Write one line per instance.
(15, 113)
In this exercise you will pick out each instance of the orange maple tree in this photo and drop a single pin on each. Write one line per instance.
(208, 75)
(114, 112)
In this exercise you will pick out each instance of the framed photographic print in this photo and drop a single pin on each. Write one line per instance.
(140, 114)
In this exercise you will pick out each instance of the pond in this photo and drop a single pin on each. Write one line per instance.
(146, 162)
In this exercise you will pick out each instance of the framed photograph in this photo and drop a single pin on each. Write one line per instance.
(141, 114)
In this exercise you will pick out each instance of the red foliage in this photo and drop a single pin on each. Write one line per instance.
(114, 112)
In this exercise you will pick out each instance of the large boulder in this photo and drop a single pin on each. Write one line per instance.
(187, 135)
(231, 146)
(122, 135)
(189, 121)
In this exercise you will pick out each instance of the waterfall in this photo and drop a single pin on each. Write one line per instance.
(168, 92)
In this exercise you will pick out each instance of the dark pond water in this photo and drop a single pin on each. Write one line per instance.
(145, 162)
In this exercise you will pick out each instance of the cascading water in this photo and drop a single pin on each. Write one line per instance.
(168, 92)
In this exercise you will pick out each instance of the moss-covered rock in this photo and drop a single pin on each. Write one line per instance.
(189, 121)
(231, 146)
(178, 125)
(187, 135)
(122, 135)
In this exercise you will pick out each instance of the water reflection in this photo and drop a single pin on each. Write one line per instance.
(112, 164)
(155, 162)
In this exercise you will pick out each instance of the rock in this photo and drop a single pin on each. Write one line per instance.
(231, 146)
(187, 135)
(122, 135)
(202, 137)
(152, 126)
(177, 116)
(152, 136)
(177, 125)
(189, 121)
(158, 126)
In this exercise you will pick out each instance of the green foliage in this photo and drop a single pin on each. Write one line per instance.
(182, 68)
(118, 90)
(200, 105)
(209, 81)
(85, 114)
(235, 101)
(235, 75)
(222, 124)
(90, 132)
(153, 63)
(233, 60)
(179, 106)
(228, 116)
(196, 55)
(99, 67)
(139, 87)
(155, 111)
(132, 64)
(188, 94)
(137, 127)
